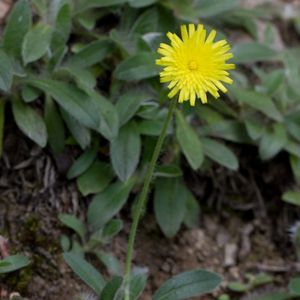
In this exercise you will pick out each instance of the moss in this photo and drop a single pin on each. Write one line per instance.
(21, 279)
(30, 232)
(18, 280)
(31, 236)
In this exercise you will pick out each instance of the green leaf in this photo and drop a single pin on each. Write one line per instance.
(81, 134)
(6, 72)
(13, 263)
(88, 19)
(125, 151)
(91, 54)
(55, 126)
(109, 119)
(83, 162)
(111, 262)
(73, 100)
(36, 43)
(30, 122)
(128, 104)
(41, 6)
(209, 115)
(261, 279)
(294, 286)
(219, 153)
(65, 243)
(223, 108)
(295, 165)
(73, 223)
(61, 33)
(95, 179)
(141, 3)
(229, 130)
(29, 94)
(108, 203)
(188, 284)
(189, 142)
(2, 122)
(272, 142)
(293, 125)
(252, 52)
(151, 127)
(112, 289)
(239, 287)
(293, 148)
(147, 22)
(112, 228)
(273, 81)
(192, 212)
(169, 204)
(211, 8)
(19, 22)
(138, 282)
(84, 78)
(168, 171)
(85, 271)
(255, 128)
(84, 5)
(292, 197)
(274, 296)
(138, 67)
(126, 41)
(150, 110)
(261, 102)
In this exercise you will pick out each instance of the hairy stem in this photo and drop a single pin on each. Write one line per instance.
(143, 199)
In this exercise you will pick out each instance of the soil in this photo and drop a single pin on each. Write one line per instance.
(243, 226)
(238, 232)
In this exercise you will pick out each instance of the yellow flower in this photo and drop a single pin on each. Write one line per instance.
(195, 65)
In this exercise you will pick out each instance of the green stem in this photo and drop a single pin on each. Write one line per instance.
(143, 198)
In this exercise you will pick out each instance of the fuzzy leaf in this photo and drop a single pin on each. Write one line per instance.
(219, 153)
(83, 162)
(189, 142)
(125, 151)
(188, 284)
(73, 100)
(6, 72)
(138, 67)
(292, 197)
(108, 203)
(169, 204)
(55, 126)
(73, 223)
(19, 22)
(2, 121)
(258, 101)
(81, 134)
(13, 263)
(95, 179)
(252, 52)
(272, 142)
(30, 122)
(36, 43)
(91, 54)
(85, 271)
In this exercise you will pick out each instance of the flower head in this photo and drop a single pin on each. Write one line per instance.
(195, 65)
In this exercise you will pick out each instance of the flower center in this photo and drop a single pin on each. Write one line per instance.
(192, 65)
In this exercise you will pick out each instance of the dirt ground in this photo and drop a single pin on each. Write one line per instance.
(243, 227)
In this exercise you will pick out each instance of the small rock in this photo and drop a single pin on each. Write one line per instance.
(230, 255)
(166, 267)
